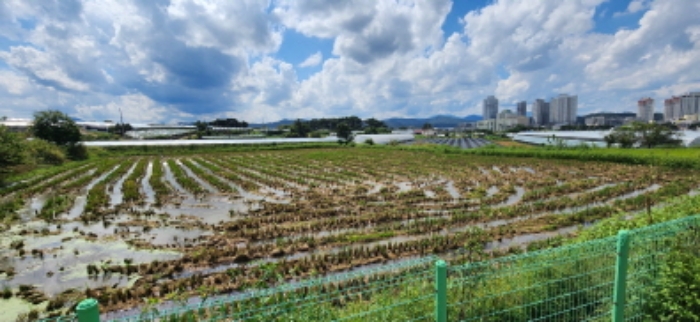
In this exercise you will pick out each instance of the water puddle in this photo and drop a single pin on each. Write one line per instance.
(170, 179)
(194, 177)
(146, 186)
(169, 235)
(491, 191)
(34, 207)
(514, 198)
(65, 260)
(637, 193)
(80, 201)
(452, 190)
(522, 241)
(116, 195)
(209, 209)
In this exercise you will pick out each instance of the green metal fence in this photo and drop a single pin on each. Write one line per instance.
(601, 280)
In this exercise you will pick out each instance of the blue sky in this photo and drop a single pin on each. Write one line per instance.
(181, 60)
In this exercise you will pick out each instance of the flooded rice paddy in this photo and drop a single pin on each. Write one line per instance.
(125, 229)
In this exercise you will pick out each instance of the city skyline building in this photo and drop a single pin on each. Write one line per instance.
(540, 112)
(490, 108)
(522, 108)
(680, 107)
(645, 109)
(563, 108)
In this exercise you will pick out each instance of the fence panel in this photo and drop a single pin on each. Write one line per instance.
(571, 283)
(649, 250)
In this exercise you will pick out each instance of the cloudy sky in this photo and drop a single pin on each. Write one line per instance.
(264, 60)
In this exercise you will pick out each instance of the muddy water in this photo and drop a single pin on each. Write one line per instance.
(81, 200)
(209, 209)
(194, 177)
(636, 193)
(170, 179)
(598, 188)
(146, 186)
(173, 236)
(404, 186)
(244, 193)
(514, 198)
(116, 195)
(491, 191)
(523, 240)
(65, 260)
(452, 190)
(34, 206)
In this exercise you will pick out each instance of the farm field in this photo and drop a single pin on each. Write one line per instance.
(127, 228)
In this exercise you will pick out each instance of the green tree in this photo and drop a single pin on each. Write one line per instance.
(56, 127)
(427, 126)
(344, 134)
(645, 134)
(652, 134)
(12, 151)
(375, 126)
(299, 129)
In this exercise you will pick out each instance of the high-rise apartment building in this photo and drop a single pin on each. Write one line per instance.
(690, 103)
(563, 108)
(677, 107)
(672, 109)
(490, 108)
(645, 109)
(522, 108)
(540, 112)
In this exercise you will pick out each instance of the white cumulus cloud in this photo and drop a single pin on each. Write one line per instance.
(312, 60)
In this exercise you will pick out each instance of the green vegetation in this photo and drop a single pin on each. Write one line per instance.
(344, 134)
(646, 135)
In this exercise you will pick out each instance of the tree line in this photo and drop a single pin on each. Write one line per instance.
(319, 127)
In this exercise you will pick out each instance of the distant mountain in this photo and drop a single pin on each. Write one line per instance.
(272, 125)
(435, 121)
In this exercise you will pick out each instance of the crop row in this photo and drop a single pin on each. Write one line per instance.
(183, 179)
(131, 187)
(157, 182)
(208, 176)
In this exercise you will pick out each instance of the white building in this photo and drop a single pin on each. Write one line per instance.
(677, 108)
(562, 109)
(489, 125)
(504, 121)
(645, 109)
(490, 108)
(507, 120)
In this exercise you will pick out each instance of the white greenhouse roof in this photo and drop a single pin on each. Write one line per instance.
(688, 138)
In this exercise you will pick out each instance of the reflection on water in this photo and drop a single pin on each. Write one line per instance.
(65, 258)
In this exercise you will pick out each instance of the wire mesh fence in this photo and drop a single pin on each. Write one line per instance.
(578, 282)
(571, 283)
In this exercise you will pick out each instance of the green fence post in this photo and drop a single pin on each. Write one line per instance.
(441, 291)
(623, 243)
(88, 311)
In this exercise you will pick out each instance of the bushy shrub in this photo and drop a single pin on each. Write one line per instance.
(677, 294)
(77, 151)
(44, 152)
(369, 142)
